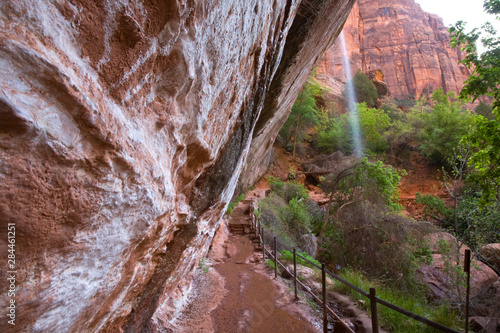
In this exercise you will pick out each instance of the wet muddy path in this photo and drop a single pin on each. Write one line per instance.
(250, 302)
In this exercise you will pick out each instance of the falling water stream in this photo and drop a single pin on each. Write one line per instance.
(351, 99)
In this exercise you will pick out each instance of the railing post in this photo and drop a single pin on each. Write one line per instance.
(263, 245)
(251, 215)
(275, 258)
(373, 307)
(295, 273)
(257, 225)
(323, 283)
(467, 271)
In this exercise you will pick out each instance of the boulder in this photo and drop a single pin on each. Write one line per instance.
(285, 273)
(445, 276)
(491, 254)
(484, 324)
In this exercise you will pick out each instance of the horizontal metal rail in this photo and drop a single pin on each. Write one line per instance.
(359, 290)
(309, 261)
(346, 326)
(385, 303)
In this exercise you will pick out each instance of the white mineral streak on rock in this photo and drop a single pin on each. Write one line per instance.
(118, 120)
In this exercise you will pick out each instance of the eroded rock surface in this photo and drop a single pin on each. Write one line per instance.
(410, 47)
(124, 127)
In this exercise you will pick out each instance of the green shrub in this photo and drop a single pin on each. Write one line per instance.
(288, 256)
(289, 216)
(296, 217)
(405, 102)
(288, 190)
(383, 244)
(270, 264)
(235, 203)
(391, 109)
(203, 265)
(276, 185)
(373, 123)
(270, 210)
(333, 134)
(364, 89)
(434, 208)
(295, 190)
(484, 110)
(394, 321)
(445, 127)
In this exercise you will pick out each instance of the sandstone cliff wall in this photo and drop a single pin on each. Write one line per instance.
(124, 127)
(411, 48)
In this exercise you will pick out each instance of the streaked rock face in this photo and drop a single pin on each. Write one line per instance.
(410, 47)
(124, 127)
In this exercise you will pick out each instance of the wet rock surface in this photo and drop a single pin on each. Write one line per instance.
(125, 126)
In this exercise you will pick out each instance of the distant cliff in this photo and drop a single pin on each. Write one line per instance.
(410, 47)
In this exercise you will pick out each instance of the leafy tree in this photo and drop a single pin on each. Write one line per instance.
(485, 80)
(478, 228)
(422, 105)
(484, 110)
(390, 107)
(444, 127)
(400, 137)
(304, 114)
(364, 89)
(333, 134)
(434, 208)
(406, 128)
(361, 181)
(373, 123)
(405, 102)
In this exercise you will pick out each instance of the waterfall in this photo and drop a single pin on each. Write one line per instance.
(351, 99)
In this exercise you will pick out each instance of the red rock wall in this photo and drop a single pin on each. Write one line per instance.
(411, 48)
(307, 40)
(124, 127)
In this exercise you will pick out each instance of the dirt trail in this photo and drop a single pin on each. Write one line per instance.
(251, 302)
(237, 294)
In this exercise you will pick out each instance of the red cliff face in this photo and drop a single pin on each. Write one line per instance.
(410, 47)
(124, 127)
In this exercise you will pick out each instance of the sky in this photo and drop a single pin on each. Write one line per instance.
(470, 11)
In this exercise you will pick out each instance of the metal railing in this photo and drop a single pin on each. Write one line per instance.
(371, 295)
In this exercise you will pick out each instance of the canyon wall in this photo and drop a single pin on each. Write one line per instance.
(124, 127)
(410, 47)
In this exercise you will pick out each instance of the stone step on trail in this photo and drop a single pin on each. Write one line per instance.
(240, 229)
(240, 222)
